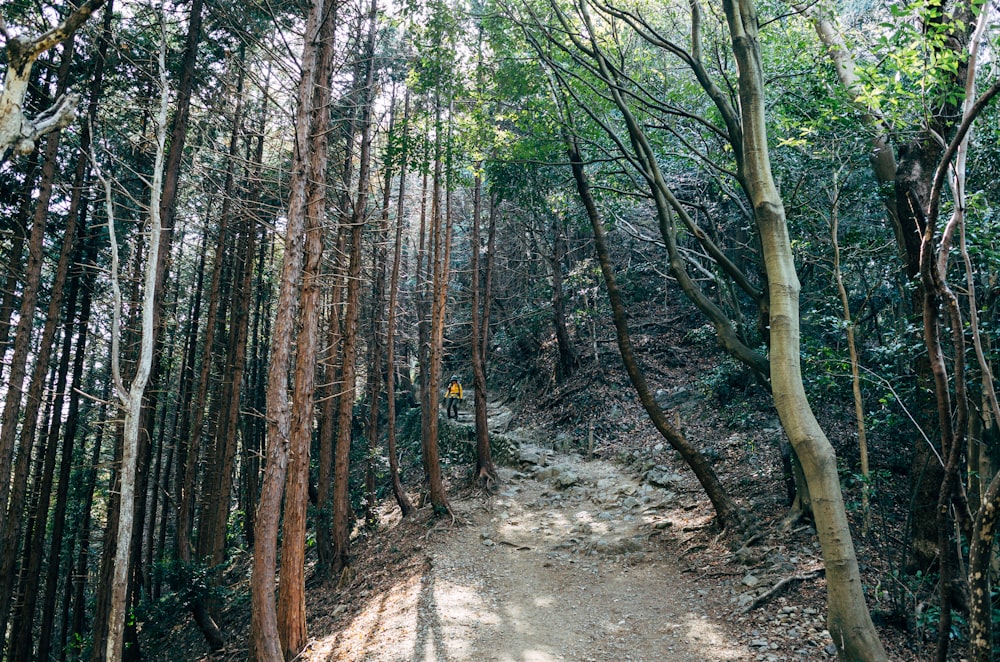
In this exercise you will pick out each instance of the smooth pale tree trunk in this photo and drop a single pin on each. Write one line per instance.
(131, 401)
(848, 618)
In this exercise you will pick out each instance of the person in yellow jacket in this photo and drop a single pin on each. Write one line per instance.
(453, 396)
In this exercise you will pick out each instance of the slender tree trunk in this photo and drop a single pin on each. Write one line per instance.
(485, 470)
(328, 432)
(9, 421)
(728, 512)
(14, 265)
(569, 361)
(34, 539)
(341, 503)
(440, 260)
(378, 303)
(266, 645)
(848, 619)
(10, 513)
(73, 415)
(78, 630)
(132, 400)
(390, 345)
(291, 587)
(859, 403)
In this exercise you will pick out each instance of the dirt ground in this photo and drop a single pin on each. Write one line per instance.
(570, 560)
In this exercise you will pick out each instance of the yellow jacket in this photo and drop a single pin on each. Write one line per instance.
(454, 391)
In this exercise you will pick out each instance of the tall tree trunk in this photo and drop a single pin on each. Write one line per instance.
(14, 266)
(78, 630)
(728, 512)
(291, 587)
(9, 421)
(73, 415)
(131, 401)
(848, 619)
(440, 261)
(341, 502)
(375, 372)
(331, 404)
(390, 343)
(266, 645)
(34, 537)
(485, 470)
(569, 361)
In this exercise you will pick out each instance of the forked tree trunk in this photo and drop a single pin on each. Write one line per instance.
(848, 619)
(265, 642)
(131, 401)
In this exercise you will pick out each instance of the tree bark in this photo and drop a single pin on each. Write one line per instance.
(848, 619)
(390, 344)
(726, 510)
(266, 645)
(131, 401)
(14, 487)
(341, 475)
(485, 470)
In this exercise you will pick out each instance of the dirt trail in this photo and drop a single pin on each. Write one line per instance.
(563, 563)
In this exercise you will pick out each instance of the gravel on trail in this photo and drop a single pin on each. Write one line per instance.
(564, 562)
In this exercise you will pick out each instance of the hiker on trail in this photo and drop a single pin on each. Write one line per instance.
(453, 396)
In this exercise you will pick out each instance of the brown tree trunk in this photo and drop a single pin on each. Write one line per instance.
(87, 276)
(485, 470)
(33, 552)
(341, 502)
(440, 261)
(726, 510)
(265, 645)
(291, 587)
(390, 345)
(14, 267)
(78, 630)
(375, 373)
(10, 523)
(569, 361)
(22, 344)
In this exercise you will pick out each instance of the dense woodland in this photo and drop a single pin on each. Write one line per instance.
(242, 241)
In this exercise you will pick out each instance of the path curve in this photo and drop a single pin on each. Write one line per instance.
(564, 563)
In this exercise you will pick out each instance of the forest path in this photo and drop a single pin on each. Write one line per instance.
(563, 562)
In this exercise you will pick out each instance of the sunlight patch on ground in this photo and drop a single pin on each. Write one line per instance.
(705, 635)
